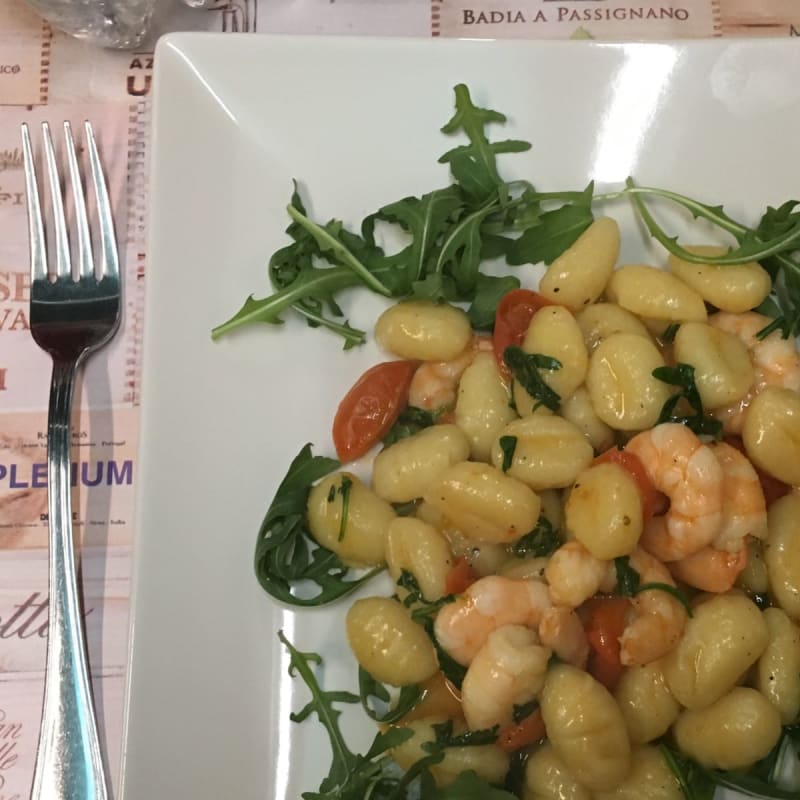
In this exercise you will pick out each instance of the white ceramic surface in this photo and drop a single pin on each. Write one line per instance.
(356, 121)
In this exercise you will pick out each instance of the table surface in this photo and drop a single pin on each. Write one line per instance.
(47, 75)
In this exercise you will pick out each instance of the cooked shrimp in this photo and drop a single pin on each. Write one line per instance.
(775, 360)
(507, 671)
(710, 569)
(658, 617)
(682, 467)
(562, 631)
(435, 383)
(574, 574)
(744, 509)
(463, 626)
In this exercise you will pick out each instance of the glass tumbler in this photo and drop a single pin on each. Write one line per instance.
(122, 24)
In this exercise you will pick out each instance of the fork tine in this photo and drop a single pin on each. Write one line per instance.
(86, 262)
(63, 260)
(35, 223)
(107, 238)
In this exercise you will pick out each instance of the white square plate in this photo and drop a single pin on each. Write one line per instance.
(357, 122)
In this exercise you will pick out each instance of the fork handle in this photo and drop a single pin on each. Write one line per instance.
(69, 765)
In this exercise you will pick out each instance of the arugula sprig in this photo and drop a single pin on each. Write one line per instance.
(373, 775)
(682, 375)
(424, 613)
(543, 540)
(762, 781)
(525, 369)
(411, 420)
(376, 699)
(774, 242)
(351, 776)
(629, 584)
(286, 556)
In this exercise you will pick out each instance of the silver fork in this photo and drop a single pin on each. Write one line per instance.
(70, 318)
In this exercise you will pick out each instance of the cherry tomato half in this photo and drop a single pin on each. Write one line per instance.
(371, 407)
(605, 622)
(460, 577)
(653, 501)
(520, 734)
(511, 321)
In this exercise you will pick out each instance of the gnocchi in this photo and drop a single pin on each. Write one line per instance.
(483, 503)
(547, 777)
(623, 391)
(548, 452)
(585, 727)
(578, 276)
(652, 293)
(388, 644)
(771, 433)
(361, 540)
(646, 702)
(724, 638)
(423, 330)
(420, 549)
(402, 471)
(483, 407)
(604, 511)
(650, 778)
(778, 674)
(782, 554)
(735, 288)
(733, 733)
(601, 320)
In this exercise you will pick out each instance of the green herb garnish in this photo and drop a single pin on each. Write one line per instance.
(524, 710)
(682, 375)
(286, 555)
(543, 540)
(344, 490)
(629, 584)
(446, 738)
(508, 444)
(411, 420)
(373, 693)
(668, 335)
(525, 369)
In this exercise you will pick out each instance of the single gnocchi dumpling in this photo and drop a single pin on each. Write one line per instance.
(359, 538)
(652, 293)
(547, 452)
(733, 287)
(578, 276)
(388, 644)
(483, 503)
(422, 330)
(585, 727)
(623, 391)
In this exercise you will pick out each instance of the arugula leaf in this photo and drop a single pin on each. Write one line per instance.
(629, 584)
(310, 283)
(523, 711)
(468, 786)
(525, 369)
(489, 291)
(460, 250)
(445, 737)
(628, 579)
(682, 375)
(474, 166)
(694, 782)
(543, 540)
(371, 690)
(425, 218)
(330, 239)
(774, 242)
(555, 232)
(508, 444)
(286, 556)
(351, 776)
(344, 490)
(411, 420)
(668, 335)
